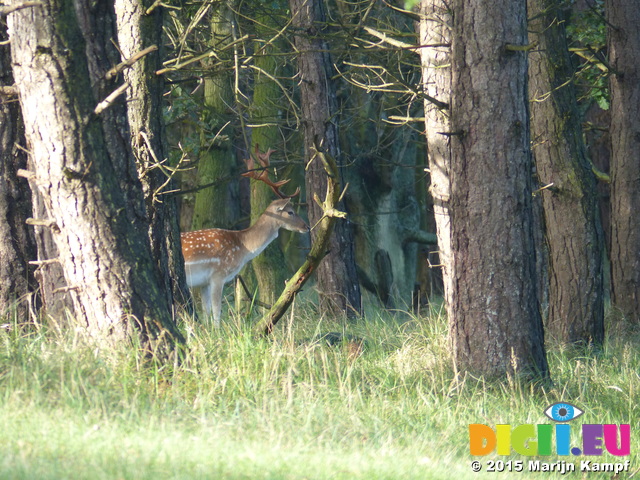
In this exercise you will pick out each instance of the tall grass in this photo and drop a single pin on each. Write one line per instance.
(282, 408)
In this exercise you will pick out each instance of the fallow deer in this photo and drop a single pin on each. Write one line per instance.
(215, 256)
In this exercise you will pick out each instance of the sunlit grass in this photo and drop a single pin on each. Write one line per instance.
(286, 407)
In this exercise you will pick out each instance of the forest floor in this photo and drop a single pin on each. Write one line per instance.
(289, 408)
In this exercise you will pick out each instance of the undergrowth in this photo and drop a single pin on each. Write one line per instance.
(287, 407)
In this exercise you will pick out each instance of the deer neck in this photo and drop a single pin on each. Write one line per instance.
(259, 235)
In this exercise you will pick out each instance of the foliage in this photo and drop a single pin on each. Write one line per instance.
(283, 409)
(587, 37)
(376, 72)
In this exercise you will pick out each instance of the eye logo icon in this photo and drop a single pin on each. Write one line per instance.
(562, 412)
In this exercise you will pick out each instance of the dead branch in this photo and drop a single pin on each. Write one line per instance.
(8, 91)
(318, 250)
(67, 289)
(6, 10)
(107, 102)
(40, 222)
(41, 263)
(28, 174)
(129, 62)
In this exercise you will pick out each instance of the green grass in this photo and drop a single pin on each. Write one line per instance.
(283, 408)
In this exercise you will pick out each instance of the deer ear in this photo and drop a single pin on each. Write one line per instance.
(284, 205)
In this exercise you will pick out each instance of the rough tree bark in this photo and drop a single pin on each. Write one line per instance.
(495, 324)
(140, 31)
(623, 18)
(86, 174)
(337, 278)
(573, 232)
(17, 244)
(435, 52)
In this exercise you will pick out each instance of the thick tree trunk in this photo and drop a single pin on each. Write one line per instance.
(87, 178)
(17, 245)
(573, 231)
(623, 18)
(138, 31)
(337, 278)
(496, 328)
(435, 39)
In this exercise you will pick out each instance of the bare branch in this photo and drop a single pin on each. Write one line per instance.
(9, 91)
(6, 10)
(39, 222)
(28, 174)
(318, 250)
(130, 61)
(107, 102)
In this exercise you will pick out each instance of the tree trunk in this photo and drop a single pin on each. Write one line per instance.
(216, 206)
(92, 196)
(337, 278)
(269, 267)
(496, 328)
(623, 18)
(138, 31)
(435, 32)
(17, 245)
(573, 231)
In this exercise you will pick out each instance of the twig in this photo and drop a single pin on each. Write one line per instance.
(42, 263)
(28, 174)
(67, 289)
(211, 53)
(549, 186)
(159, 3)
(130, 61)
(386, 39)
(255, 301)
(107, 102)
(43, 223)
(8, 91)
(6, 10)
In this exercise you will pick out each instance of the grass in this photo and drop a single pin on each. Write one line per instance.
(285, 408)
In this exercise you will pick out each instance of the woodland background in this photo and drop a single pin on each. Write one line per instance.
(488, 266)
(497, 133)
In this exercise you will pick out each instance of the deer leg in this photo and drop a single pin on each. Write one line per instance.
(205, 295)
(215, 302)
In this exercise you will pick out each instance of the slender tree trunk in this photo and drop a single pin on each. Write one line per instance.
(17, 244)
(435, 38)
(269, 266)
(87, 178)
(137, 31)
(573, 231)
(216, 206)
(337, 278)
(623, 18)
(496, 328)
